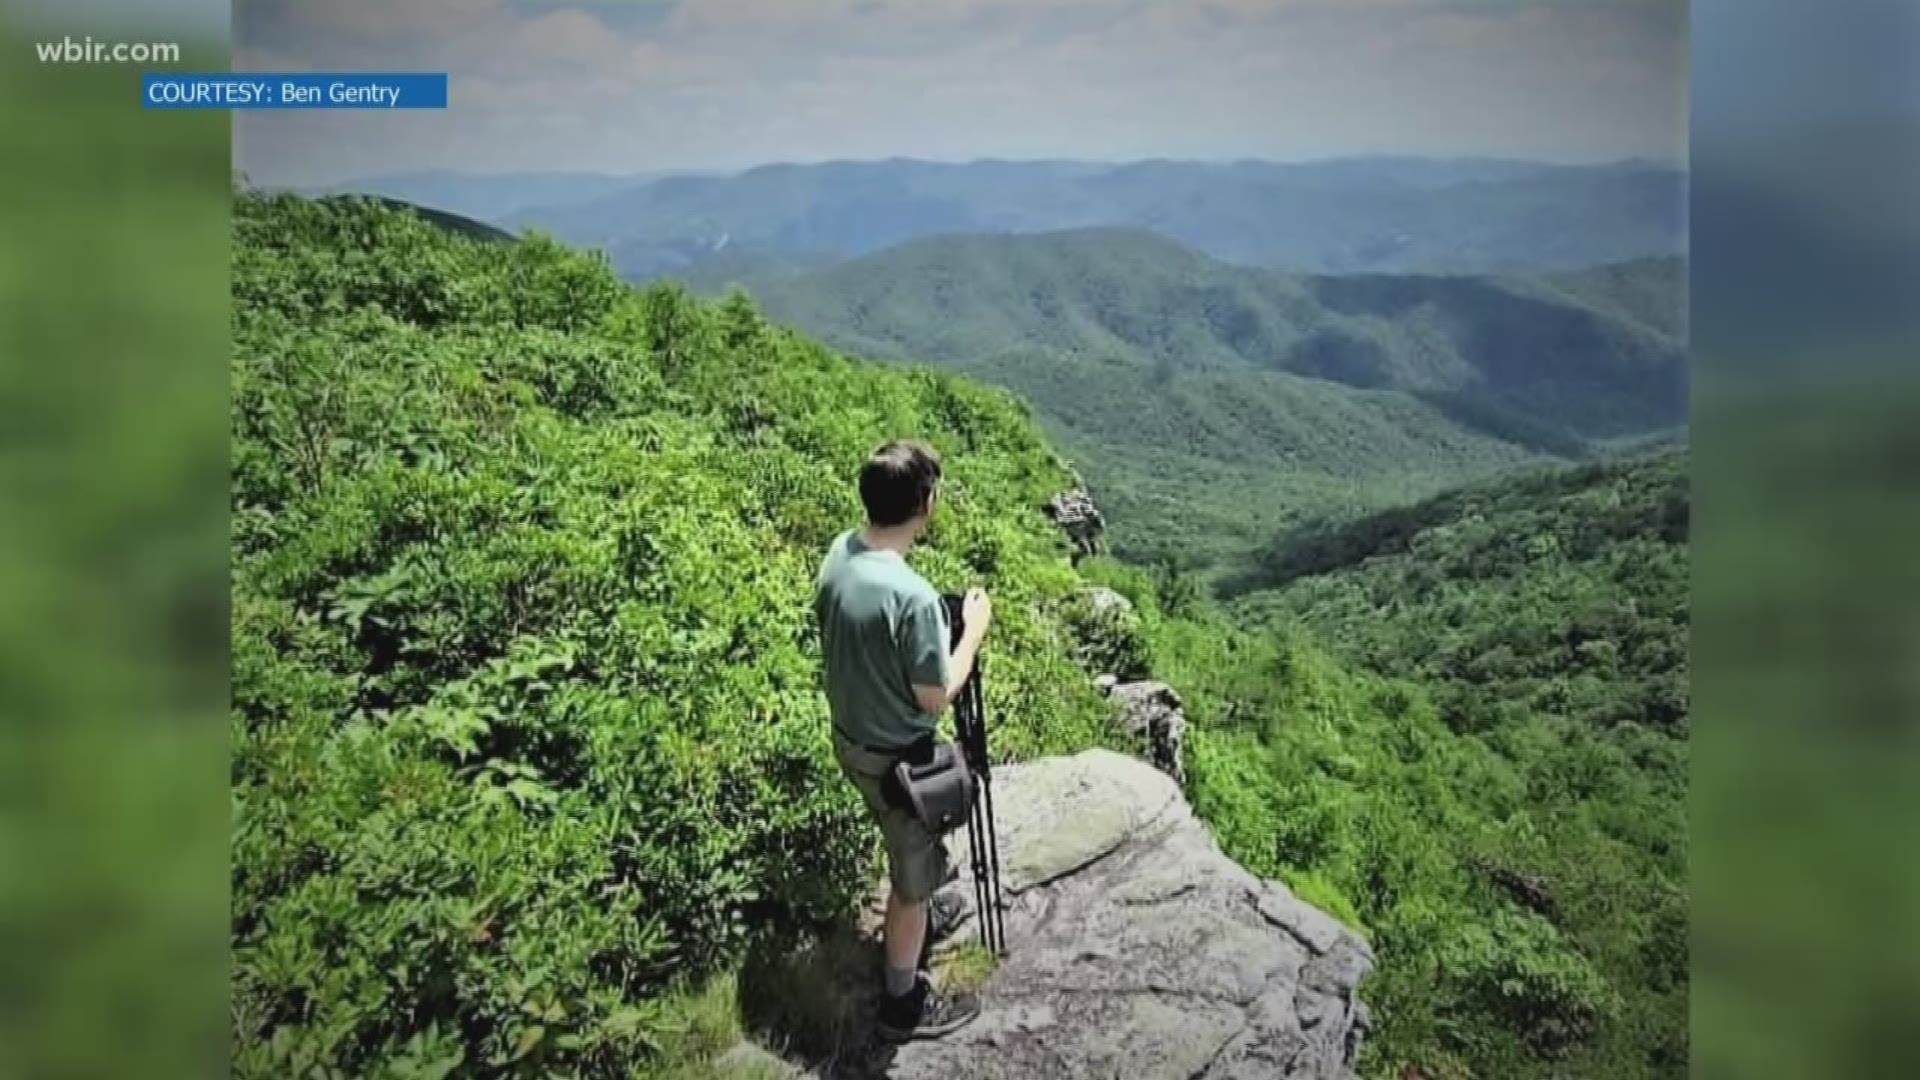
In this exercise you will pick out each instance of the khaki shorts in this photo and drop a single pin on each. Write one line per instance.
(916, 858)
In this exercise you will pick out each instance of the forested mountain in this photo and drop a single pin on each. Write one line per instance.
(1488, 773)
(1651, 291)
(1592, 371)
(1567, 574)
(1212, 404)
(1340, 216)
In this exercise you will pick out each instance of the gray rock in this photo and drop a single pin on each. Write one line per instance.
(1138, 949)
(1082, 521)
(1107, 601)
(1151, 712)
(748, 1061)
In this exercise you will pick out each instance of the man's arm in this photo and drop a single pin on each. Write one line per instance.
(977, 613)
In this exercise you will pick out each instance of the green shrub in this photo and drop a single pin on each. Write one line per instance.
(1517, 969)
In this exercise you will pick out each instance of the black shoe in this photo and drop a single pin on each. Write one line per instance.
(925, 1013)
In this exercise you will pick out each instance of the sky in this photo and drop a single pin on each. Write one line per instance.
(636, 86)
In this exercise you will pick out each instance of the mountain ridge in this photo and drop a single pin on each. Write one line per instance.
(1335, 215)
(457, 224)
(957, 298)
(1267, 391)
(488, 197)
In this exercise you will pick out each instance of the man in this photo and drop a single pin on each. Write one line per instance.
(889, 677)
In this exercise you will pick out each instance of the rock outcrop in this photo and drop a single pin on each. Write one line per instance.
(1082, 521)
(1108, 602)
(1107, 635)
(1152, 713)
(1138, 949)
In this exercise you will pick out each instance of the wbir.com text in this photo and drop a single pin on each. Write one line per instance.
(86, 50)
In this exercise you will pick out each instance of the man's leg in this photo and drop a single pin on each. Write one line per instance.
(906, 935)
(913, 1007)
(916, 866)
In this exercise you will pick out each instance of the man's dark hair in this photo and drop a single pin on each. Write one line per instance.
(897, 480)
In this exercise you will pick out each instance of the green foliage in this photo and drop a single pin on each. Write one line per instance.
(1501, 808)
(525, 725)
(693, 1025)
(967, 967)
(1518, 972)
(458, 224)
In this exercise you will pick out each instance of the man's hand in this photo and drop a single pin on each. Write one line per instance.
(976, 613)
(977, 610)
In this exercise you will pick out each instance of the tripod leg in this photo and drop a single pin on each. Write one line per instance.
(977, 853)
(982, 899)
(999, 944)
(993, 833)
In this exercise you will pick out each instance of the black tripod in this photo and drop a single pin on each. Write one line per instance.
(970, 726)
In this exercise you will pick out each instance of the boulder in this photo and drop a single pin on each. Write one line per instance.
(748, 1061)
(1108, 602)
(1107, 634)
(1138, 949)
(1151, 712)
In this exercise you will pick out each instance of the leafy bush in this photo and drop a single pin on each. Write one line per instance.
(526, 728)
(1516, 968)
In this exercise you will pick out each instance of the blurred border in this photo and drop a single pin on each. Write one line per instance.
(113, 587)
(113, 360)
(1806, 324)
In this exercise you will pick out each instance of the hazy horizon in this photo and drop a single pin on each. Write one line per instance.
(622, 87)
(656, 174)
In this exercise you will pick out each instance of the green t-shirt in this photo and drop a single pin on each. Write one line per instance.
(884, 630)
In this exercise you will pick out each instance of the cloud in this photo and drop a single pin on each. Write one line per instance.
(647, 84)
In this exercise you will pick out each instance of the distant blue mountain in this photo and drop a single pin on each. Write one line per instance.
(489, 197)
(1377, 214)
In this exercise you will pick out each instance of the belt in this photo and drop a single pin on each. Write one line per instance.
(889, 751)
